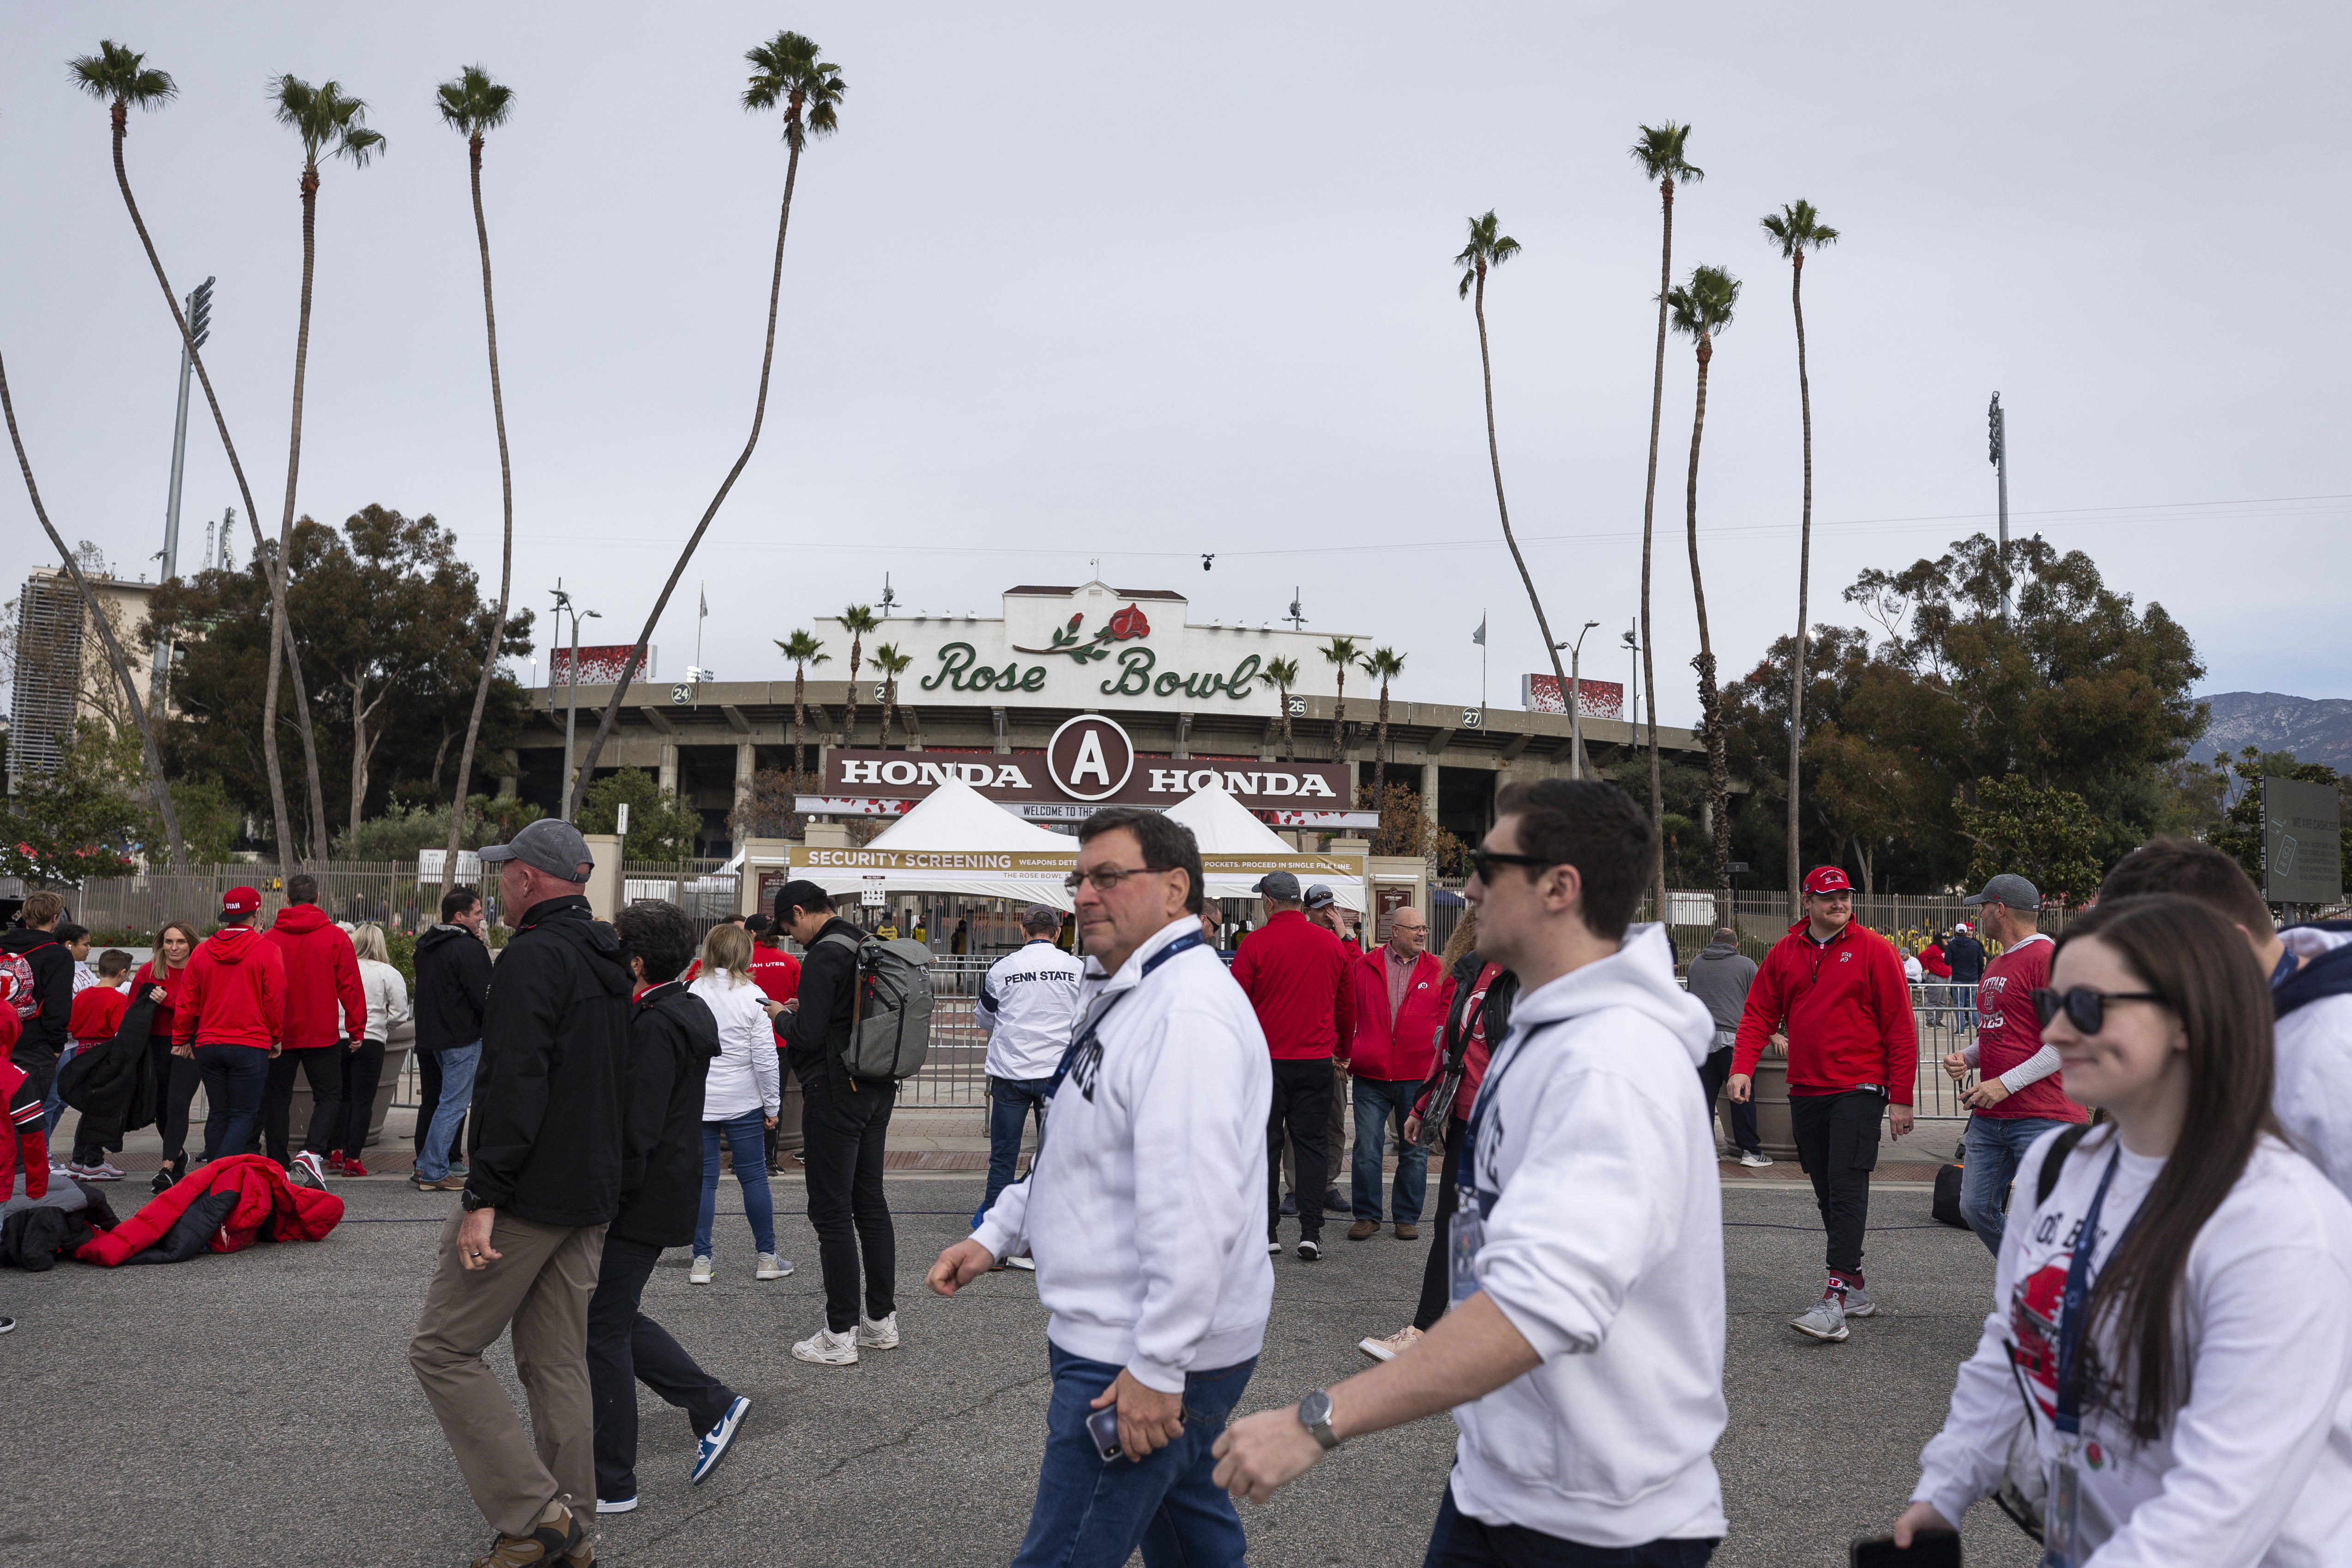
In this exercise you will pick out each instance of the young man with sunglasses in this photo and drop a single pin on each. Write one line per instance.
(1836, 990)
(2018, 1096)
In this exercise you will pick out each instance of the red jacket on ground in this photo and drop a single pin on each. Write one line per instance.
(325, 1004)
(1405, 1047)
(1848, 1011)
(1295, 974)
(97, 1014)
(268, 1207)
(233, 992)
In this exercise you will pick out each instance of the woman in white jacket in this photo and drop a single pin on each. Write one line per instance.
(2173, 1388)
(387, 1004)
(740, 1098)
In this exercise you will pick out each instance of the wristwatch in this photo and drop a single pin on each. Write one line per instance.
(469, 1200)
(1314, 1414)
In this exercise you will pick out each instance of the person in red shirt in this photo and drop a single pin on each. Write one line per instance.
(1400, 996)
(1295, 975)
(228, 1013)
(176, 1076)
(326, 1015)
(97, 1012)
(778, 974)
(2019, 1095)
(1837, 991)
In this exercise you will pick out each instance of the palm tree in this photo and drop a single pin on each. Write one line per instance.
(1798, 228)
(804, 650)
(1283, 673)
(119, 77)
(153, 757)
(1488, 250)
(856, 620)
(1386, 664)
(1659, 150)
(892, 664)
(473, 105)
(1702, 310)
(1341, 652)
(329, 121)
(786, 70)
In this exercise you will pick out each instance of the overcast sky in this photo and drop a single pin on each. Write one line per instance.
(1138, 283)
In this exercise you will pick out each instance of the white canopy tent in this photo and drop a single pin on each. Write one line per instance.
(955, 841)
(1236, 850)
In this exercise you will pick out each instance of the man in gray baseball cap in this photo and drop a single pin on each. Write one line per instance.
(2010, 891)
(1278, 887)
(548, 844)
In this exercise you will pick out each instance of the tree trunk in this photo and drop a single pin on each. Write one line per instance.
(506, 548)
(360, 750)
(800, 715)
(1290, 752)
(281, 629)
(1718, 770)
(849, 717)
(1381, 754)
(149, 753)
(1649, 513)
(758, 413)
(1340, 720)
(889, 703)
(1804, 572)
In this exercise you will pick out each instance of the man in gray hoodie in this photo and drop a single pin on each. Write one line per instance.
(1719, 976)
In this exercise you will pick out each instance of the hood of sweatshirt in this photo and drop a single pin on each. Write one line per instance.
(689, 1013)
(300, 920)
(2325, 949)
(231, 943)
(442, 936)
(1641, 975)
(22, 941)
(569, 920)
(1719, 950)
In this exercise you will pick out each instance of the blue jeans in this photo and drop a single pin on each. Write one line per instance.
(233, 1077)
(743, 1135)
(1460, 1541)
(1009, 1102)
(1378, 1102)
(1995, 1145)
(56, 1106)
(457, 1064)
(1093, 1512)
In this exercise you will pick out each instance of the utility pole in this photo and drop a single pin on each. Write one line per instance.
(200, 317)
(1999, 428)
(571, 683)
(1575, 701)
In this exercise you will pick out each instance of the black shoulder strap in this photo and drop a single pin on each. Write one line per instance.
(2056, 1161)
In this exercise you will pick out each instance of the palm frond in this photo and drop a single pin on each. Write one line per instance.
(787, 67)
(1702, 307)
(119, 74)
(327, 118)
(1797, 227)
(1659, 150)
(1488, 248)
(473, 103)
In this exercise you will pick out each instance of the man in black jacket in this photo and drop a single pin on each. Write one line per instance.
(453, 986)
(545, 1180)
(43, 1033)
(844, 1123)
(672, 1040)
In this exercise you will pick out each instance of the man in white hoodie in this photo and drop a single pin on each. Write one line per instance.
(1144, 1210)
(1583, 1356)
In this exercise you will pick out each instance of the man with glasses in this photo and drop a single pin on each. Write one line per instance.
(1140, 1211)
(1295, 974)
(1836, 990)
(2018, 1096)
(1402, 996)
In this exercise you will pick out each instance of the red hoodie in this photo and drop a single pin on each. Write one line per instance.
(1848, 1010)
(1295, 974)
(233, 992)
(325, 1004)
(1388, 1051)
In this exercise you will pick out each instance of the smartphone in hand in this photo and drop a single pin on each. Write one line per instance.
(1103, 1428)
(1928, 1549)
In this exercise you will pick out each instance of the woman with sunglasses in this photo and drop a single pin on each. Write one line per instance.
(2184, 1369)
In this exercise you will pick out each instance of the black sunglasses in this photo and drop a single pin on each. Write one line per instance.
(2085, 1008)
(1484, 861)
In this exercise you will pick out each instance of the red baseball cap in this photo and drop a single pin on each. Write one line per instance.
(1827, 880)
(240, 901)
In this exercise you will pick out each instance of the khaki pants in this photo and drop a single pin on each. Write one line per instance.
(540, 1284)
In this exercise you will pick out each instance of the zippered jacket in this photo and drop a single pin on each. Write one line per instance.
(673, 1039)
(325, 1002)
(1028, 1003)
(233, 992)
(453, 987)
(1847, 1008)
(1389, 1049)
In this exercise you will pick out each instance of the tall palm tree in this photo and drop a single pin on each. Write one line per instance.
(119, 77)
(153, 758)
(856, 620)
(1659, 150)
(1386, 664)
(1489, 249)
(804, 650)
(1701, 309)
(892, 664)
(785, 71)
(1797, 228)
(473, 105)
(1283, 673)
(1343, 653)
(332, 124)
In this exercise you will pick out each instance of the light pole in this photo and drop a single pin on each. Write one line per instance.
(571, 683)
(1997, 425)
(1633, 681)
(1575, 701)
(200, 319)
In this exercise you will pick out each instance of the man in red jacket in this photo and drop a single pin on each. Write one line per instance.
(326, 1015)
(1839, 990)
(228, 1012)
(1400, 996)
(1295, 975)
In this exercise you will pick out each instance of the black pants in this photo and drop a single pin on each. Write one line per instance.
(177, 1078)
(1837, 1145)
(363, 1071)
(1302, 1101)
(39, 1066)
(842, 1135)
(1457, 1540)
(1434, 1296)
(626, 1348)
(428, 1079)
(1712, 1075)
(321, 1066)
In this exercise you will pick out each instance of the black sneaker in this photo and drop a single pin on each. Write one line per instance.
(165, 1176)
(1334, 1204)
(1310, 1249)
(1289, 1206)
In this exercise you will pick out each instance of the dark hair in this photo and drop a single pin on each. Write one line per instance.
(2187, 953)
(1165, 844)
(2193, 870)
(659, 933)
(68, 933)
(1595, 828)
(801, 894)
(301, 888)
(457, 900)
(114, 961)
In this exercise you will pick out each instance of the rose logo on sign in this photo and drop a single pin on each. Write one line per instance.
(1125, 625)
(1089, 758)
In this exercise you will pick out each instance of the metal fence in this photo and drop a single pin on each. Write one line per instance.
(388, 892)
(707, 894)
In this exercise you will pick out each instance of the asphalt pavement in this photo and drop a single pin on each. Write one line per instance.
(259, 1409)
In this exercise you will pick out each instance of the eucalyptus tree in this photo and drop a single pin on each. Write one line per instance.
(803, 649)
(892, 664)
(1341, 653)
(786, 71)
(856, 620)
(1701, 309)
(1385, 664)
(1283, 673)
(1797, 228)
(1659, 150)
(473, 105)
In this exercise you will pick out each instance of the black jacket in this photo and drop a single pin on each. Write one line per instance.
(672, 1041)
(544, 1142)
(109, 1082)
(53, 966)
(453, 987)
(1966, 954)
(819, 1035)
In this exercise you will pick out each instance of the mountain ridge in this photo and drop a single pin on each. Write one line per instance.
(2316, 728)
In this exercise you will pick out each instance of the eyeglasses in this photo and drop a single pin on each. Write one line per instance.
(1484, 861)
(1107, 879)
(2085, 1008)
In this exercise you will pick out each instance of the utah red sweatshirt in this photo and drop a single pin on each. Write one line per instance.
(233, 992)
(1848, 1010)
(325, 1004)
(1295, 974)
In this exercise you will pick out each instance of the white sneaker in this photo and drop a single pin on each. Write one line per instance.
(772, 1267)
(114, 1173)
(309, 1165)
(700, 1273)
(1826, 1319)
(1274, 1247)
(1386, 1350)
(1754, 1160)
(616, 1505)
(1858, 1303)
(828, 1349)
(881, 1336)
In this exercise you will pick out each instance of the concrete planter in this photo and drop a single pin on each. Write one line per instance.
(1772, 1128)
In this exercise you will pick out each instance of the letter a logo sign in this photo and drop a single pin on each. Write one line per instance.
(1090, 757)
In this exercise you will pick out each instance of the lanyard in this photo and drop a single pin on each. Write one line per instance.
(1496, 1071)
(2283, 969)
(2068, 1418)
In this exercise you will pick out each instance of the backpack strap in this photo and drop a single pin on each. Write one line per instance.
(2055, 1161)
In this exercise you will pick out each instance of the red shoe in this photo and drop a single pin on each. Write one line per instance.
(352, 1167)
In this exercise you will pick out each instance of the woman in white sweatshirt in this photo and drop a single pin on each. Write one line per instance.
(740, 1098)
(387, 1004)
(2176, 1389)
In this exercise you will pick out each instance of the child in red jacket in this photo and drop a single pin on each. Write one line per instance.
(98, 1013)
